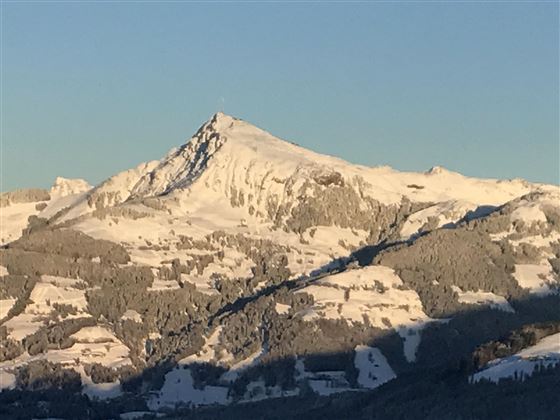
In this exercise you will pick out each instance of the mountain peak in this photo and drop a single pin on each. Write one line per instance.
(219, 122)
(437, 170)
(221, 117)
(240, 154)
(181, 166)
(65, 186)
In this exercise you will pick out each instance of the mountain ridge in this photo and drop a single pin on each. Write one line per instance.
(226, 150)
(240, 267)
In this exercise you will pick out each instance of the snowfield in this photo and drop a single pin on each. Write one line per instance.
(93, 345)
(375, 294)
(373, 367)
(534, 277)
(522, 365)
(178, 388)
(483, 298)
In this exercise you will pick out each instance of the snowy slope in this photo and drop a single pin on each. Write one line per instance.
(522, 365)
(230, 161)
(374, 295)
(111, 192)
(239, 155)
(233, 217)
(14, 217)
(235, 177)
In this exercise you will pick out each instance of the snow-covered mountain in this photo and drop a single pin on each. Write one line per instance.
(242, 267)
(231, 159)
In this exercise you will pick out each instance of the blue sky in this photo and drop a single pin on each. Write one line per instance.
(94, 88)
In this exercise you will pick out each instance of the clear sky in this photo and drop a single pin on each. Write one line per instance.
(94, 88)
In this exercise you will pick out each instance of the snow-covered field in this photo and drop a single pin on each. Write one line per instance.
(522, 365)
(178, 388)
(92, 345)
(14, 219)
(48, 291)
(483, 298)
(375, 294)
(535, 277)
(373, 367)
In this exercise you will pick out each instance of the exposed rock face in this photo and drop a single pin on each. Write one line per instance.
(343, 207)
(184, 165)
(31, 195)
(63, 187)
